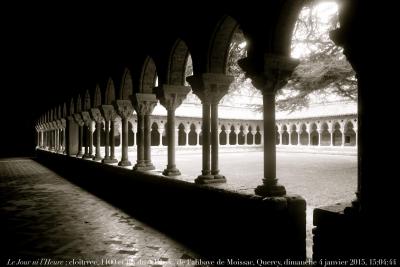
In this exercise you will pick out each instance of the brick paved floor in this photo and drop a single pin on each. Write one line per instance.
(43, 216)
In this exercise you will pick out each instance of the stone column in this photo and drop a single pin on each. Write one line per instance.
(79, 121)
(97, 118)
(109, 116)
(144, 105)
(245, 132)
(187, 131)
(112, 142)
(198, 131)
(161, 132)
(319, 136)
(89, 135)
(280, 137)
(298, 137)
(210, 88)
(237, 132)
(147, 142)
(125, 110)
(289, 131)
(356, 132)
(277, 70)
(64, 127)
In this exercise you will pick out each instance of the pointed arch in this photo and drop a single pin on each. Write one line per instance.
(148, 76)
(78, 104)
(110, 92)
(97, 97)
(86, 104)
(220, 43)
(126, 89)
(177, 63)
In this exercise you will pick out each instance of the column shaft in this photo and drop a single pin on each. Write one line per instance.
(140, 142)
(112, 141)
(124, 149)
(214, 139)
(107, 140)
(171, 167)
(98, 136)
(206, 139)
(80, 141)
(147, 142)
(269, 137)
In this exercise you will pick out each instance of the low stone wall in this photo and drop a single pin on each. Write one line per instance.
(213, 222)
(345, 238)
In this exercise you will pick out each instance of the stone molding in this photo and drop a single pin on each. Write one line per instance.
(96, 115)
(124, 108)
(108, 112)
(144, 103)
(171, 96)
(210, 87)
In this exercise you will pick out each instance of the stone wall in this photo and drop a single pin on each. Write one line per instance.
(214, 222)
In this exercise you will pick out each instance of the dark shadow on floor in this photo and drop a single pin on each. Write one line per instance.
(212, 222)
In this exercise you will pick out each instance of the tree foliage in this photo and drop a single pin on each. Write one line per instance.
(323, 72)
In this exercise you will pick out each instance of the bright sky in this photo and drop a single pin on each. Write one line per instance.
(323, 12)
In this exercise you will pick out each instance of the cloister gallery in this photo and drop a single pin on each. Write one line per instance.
(112, 97)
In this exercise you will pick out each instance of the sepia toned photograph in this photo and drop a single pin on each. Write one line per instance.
(257, 133)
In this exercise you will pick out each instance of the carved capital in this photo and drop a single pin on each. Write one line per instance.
(124, 108)
(144, 103)
(210, 87)
(86, 118)
(108, 112)
(78, 119)
(171, 96)
(53, 125)
(59, 124)
(276, 73)
(96, 115)
(63, 123)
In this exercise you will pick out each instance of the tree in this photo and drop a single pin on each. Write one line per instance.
(323, 72)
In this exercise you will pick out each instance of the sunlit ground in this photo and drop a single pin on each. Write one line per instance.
(322, 179)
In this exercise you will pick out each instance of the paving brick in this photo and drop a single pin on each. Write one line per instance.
(45, 216)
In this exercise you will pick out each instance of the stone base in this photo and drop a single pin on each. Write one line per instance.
(87, 156)
(270, 190)
(210, 179)
(109, 161)
(150, 166)
(97, 158)
(79, 155)
(124, 163)
(171, 172)
(143, 168)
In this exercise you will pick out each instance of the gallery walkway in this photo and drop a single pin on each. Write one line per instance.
(45, 217)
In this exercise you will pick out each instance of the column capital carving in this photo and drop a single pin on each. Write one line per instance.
(63, 123)
(171, 96)
(86, 118)
(124, 108)
(276, 72)
(59, 124)
(210, 87)
(96, 115)
(144, 103)
(108, 112)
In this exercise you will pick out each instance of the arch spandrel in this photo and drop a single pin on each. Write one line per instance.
(126, 89)
(148, 76)
(110, 92)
